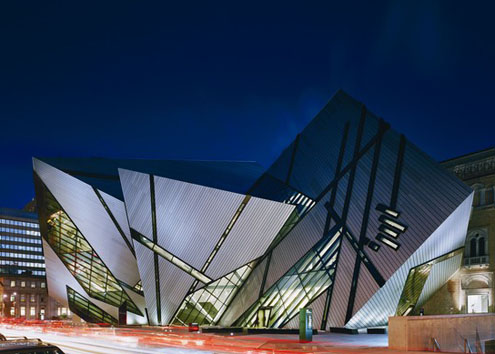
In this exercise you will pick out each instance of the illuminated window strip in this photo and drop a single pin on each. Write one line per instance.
(394, 224)
(388, 231)
(170, 257)
(384, 209)
(386, 241)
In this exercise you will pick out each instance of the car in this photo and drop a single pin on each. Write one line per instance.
(26, 345)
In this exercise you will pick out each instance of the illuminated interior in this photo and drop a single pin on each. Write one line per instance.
(87, 310)
(303, 283)
(80, 258)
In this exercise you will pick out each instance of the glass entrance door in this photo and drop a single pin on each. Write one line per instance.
(477, 303)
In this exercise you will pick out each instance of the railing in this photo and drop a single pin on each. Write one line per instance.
(471, 261)
(435, 345)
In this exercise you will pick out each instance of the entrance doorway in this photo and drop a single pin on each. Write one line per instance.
(477, 303)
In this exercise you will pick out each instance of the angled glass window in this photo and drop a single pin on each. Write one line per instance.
(206, 305)
(79, 257)
(88, 311)
(303, 283)
(415, 283)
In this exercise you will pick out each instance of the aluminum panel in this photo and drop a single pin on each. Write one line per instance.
(254, 231)
(449, 236)
(191, 218)
(137, 197)
(342, 285)
(439, 275)
(147, 271)
(81, 203)
(117, 208)
(174, 286)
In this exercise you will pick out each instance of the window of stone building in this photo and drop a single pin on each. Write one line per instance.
(473, 251)
(23, 284)
(33, 298)
(476, 243)
(481, 246)
(12, 311)
(12, 297)
(23, 310)
(33, 284)
(12, 283)
(32, 311)
(42, 285)
(489, 196)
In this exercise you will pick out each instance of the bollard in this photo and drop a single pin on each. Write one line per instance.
(305, 325)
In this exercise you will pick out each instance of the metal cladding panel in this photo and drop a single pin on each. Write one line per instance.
(254, 231)
(81, 203)
(427, 196)
(58, 277)
(359, 194)
(449, 236)
(319, 144)
(293, 323)
(295, 245)
(366, 288)
(137, 197)
(174, 286)
(190, 219)
(140, 302)
(440, 273)
(147, 271)
(245, 297)
(342, 285)
(318, 307)
(117, 208)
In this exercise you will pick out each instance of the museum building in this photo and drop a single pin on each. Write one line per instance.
(352, 220)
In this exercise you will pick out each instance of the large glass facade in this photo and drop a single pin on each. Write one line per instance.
(80, 258)
(312, 275)
(415, 283)
(88, 311)
(206, 305)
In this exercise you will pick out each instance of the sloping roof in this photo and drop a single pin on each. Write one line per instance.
(102, 173)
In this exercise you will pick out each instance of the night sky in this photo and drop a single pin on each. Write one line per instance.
(226, 81)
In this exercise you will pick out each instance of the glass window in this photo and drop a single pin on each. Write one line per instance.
(23, 311)
(23, 284)
(23, 297)
(12, 311)
(12, 283)
(33, 284)
(472, 247)
(32, 311)
(42, 285)
(481, 246)
(12, 298)
(33, 298)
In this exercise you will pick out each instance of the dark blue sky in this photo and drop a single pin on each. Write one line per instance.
(213, 80)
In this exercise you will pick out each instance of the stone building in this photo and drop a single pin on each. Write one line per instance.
(471, 289)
